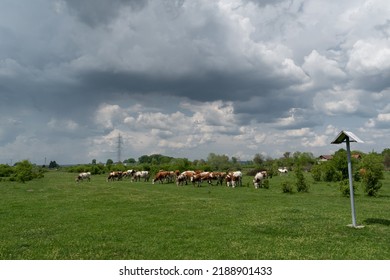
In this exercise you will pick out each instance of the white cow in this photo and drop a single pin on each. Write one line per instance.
(141, 174)
(258, 179)
(283, 170)
(83, 176)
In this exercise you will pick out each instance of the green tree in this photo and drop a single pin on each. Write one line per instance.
(286, 161)
(53, 164)
(130, 161)
(340, 162)
(218, 162)
(258, 159)
(386, 158)
(144, 159)
(109, 162)
(305, 160)
(5, 170)
(372, 172)
(23, 171)
(329, 172)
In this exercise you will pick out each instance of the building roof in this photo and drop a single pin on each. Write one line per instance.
(326, 157)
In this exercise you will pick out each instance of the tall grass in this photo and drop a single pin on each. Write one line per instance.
(56, 218)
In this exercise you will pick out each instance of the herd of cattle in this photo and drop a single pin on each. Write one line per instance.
(230, 179)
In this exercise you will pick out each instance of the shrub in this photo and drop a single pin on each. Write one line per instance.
(316, 173)
(344, 188)
(23, 171)
(287, 187)
(5, 170)
(265, 184)
(371, 172)
(301, 183)
(371, 183)
(330, 173)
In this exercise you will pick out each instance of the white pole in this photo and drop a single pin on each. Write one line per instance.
(351, 194)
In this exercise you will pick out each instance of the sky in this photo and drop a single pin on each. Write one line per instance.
(188, 78)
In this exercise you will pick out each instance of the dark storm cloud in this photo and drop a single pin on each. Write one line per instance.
(210, 86)
(199, 76)
(267, 108)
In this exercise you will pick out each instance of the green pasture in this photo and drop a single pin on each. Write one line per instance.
(57, 218)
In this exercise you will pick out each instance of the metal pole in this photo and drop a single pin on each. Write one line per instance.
(351, 194)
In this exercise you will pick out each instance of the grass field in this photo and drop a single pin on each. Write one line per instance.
(56, 218)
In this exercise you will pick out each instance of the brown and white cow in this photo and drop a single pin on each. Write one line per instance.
(161, 176)
(257, 180)
(236, 179)
(218, 176)
(184, 177)
(83, 176)
(115, 176)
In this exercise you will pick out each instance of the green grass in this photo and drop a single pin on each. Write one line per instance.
(56, 218)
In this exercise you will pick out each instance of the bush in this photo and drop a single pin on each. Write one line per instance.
(316, 173)
(287, 187)
(93, 168)
(344, 188)
(5, 170)
(371, 183)
(330, 173)
(265, 184)
(23, 171)
(301, 183)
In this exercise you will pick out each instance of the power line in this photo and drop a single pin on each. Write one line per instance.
(119, 147)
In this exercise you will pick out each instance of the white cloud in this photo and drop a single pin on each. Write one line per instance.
(302, 132)
(322, 70)
(107, 114)
(384, 117)
(371, 57)
(316, 141)
(331, 130)
(337, 101)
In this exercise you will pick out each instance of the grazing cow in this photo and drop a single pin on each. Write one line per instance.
(161, 176)
(171, 177)
(115, 175)
(198, 178)
(218, 176)
(129, 173)
(283, 170)
(233, 179)
(236, 179)
(141, 174)
(180, 179)
(184, 177)
(257, 180)
(228, 179)
(83, 176)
